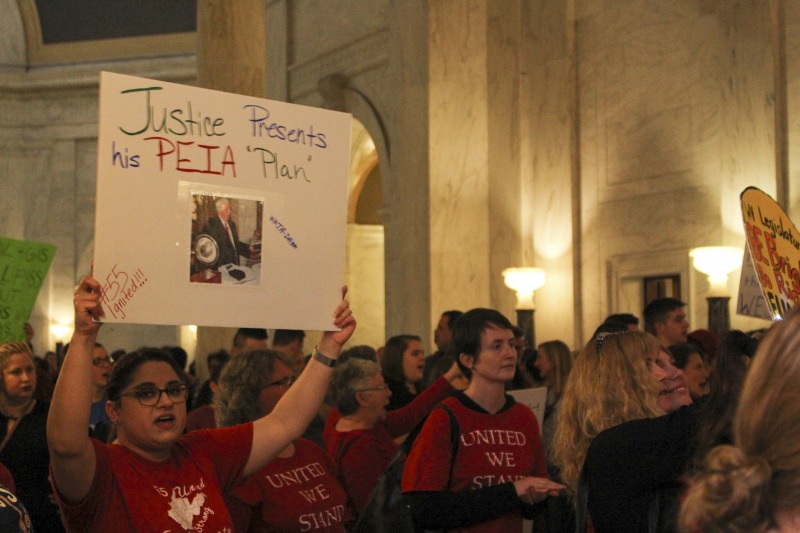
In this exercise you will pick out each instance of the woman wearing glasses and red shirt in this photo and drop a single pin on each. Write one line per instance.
(153, 477)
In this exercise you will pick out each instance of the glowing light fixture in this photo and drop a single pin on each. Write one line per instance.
(717, 262)
(59, 331)
(524, 281)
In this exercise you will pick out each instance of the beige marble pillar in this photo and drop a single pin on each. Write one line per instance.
(551, 169)
(231, 46)
(459, 156)
(231, 57)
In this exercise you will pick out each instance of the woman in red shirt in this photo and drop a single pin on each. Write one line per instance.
(153, 477)
(296, 491)
(360, 435)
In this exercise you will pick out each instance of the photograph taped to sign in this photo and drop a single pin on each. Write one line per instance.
(218, 209)
(774, 244)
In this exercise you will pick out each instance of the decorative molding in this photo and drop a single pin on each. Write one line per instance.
(177, 69)
(39, 54)
(368, 53)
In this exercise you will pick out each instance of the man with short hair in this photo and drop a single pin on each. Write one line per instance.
(666, 319)
(99, 424)
(443, 337)
(617, 323)
(290, 342)
(249, 339)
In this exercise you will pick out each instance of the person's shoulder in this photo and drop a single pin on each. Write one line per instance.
(203, 438)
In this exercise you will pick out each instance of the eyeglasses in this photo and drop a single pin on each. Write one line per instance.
(381, 388)
(150, 396)
(102, 361)
(284, 383)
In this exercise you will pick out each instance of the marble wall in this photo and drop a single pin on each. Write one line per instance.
(598, 139)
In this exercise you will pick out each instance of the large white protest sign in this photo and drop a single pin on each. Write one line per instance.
(218, 209)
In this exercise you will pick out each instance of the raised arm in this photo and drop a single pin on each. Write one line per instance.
(72, 457)
(290, 418)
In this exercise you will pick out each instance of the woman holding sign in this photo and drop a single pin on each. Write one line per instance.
(154, 478)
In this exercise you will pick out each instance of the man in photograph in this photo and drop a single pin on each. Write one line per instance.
(223, 230)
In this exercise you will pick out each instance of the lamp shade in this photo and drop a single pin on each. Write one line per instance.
(717, 262)
(524, 280)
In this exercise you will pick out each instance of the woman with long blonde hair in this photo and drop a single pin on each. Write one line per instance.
(754, 484)
(620, 427)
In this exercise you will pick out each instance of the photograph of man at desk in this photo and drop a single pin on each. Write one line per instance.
(218, 254)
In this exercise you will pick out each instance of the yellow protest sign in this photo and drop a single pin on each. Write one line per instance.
(774, 244)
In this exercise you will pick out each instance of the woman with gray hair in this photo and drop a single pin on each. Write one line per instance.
(360, 435)
(297, 490)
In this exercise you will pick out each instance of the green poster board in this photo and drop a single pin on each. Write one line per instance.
(23, 267)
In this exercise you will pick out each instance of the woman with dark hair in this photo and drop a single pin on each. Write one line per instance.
(752, 484)
(276, 498)
(153, 477)
(478, 464)
(403, 364)
(716, 415)
(691, 359)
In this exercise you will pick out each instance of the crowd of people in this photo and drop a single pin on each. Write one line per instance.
(664, 429)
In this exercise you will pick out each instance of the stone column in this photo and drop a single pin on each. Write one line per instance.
(231, 46)
(459, 156)
(231, 57)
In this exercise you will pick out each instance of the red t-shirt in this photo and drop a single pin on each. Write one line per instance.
(297, 493)
(201, 418)
(184, 493)
(362, 455)
(492, 449)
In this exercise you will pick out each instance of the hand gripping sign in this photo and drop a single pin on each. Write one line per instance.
(218, 209)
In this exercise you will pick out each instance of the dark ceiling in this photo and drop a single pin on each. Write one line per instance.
(90, 20)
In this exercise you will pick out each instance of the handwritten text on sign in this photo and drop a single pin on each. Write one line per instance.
(775, 246)
(209, 157)
(23, 267)
(273, 179)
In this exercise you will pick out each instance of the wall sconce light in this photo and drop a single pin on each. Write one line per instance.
(717, 262)
(525, 281)
(59, 331)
